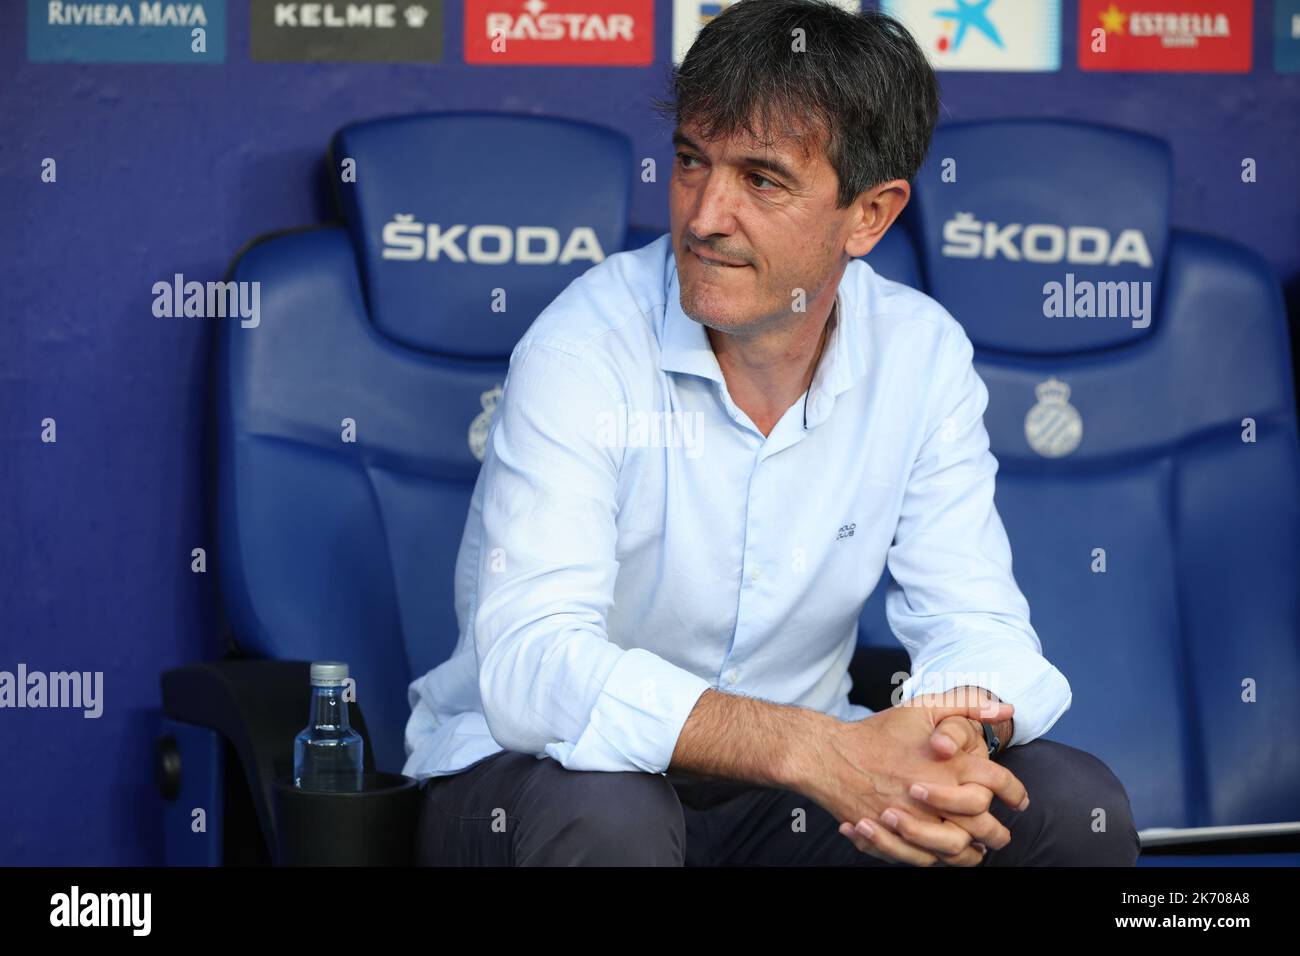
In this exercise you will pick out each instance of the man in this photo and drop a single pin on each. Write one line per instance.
(705, 453)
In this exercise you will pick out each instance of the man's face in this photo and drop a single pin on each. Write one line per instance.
(773, 212)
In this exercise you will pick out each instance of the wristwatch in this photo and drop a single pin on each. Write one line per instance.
(991, 738)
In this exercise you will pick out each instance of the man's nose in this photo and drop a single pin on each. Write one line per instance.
(714, 211)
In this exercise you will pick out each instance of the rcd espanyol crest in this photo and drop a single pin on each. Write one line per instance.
(478, 428)
(1053, 427)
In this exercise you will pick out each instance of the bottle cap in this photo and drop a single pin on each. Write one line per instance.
(328, 673)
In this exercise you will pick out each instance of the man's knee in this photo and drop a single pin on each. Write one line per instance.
(592, 818)
(1084, 811)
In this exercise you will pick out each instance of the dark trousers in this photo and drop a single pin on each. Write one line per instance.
(512, 809)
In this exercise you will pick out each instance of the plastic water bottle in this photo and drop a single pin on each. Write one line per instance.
(327, 755)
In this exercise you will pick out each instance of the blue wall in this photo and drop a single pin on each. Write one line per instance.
(165, 169)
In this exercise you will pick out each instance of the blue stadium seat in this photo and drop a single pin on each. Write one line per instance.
(394, 327)
(1125, 435)
(894, 257)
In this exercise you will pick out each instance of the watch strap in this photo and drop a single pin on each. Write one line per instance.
(991, 738)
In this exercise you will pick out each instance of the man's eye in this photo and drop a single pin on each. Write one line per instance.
(685, 158)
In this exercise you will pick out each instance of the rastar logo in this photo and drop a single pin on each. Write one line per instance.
(406, 240)
(965, 237)
(604, 32)
(533, 22)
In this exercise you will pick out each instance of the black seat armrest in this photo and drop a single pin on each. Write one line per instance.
(259, 706)
(872, 670)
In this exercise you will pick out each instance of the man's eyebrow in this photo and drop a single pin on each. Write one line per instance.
(762, 162)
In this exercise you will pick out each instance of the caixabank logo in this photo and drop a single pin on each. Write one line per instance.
(560, 32)
(984, 34)
(393, 31)
(147, 31)
(690, 16)
(1170, 36)
(1286, 36)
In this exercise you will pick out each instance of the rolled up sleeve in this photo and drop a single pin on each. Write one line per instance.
(550, 679)
(952, 601)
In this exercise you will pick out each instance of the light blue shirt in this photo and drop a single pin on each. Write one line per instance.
(633, 539)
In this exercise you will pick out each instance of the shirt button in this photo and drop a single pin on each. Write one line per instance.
(754, 575)
(732, 676)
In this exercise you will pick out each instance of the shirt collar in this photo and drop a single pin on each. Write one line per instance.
(684, 345)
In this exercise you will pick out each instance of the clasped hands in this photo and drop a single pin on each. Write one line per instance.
(928, 797)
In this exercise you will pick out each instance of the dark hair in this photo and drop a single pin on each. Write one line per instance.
(862, 79)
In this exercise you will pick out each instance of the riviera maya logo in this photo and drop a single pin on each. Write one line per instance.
(1053, 427)
(478, 428)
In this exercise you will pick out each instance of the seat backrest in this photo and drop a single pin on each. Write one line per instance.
(894, 257)
(351, 419)
(1164, 444)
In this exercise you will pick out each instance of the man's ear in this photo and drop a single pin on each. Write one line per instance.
(878, 208)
